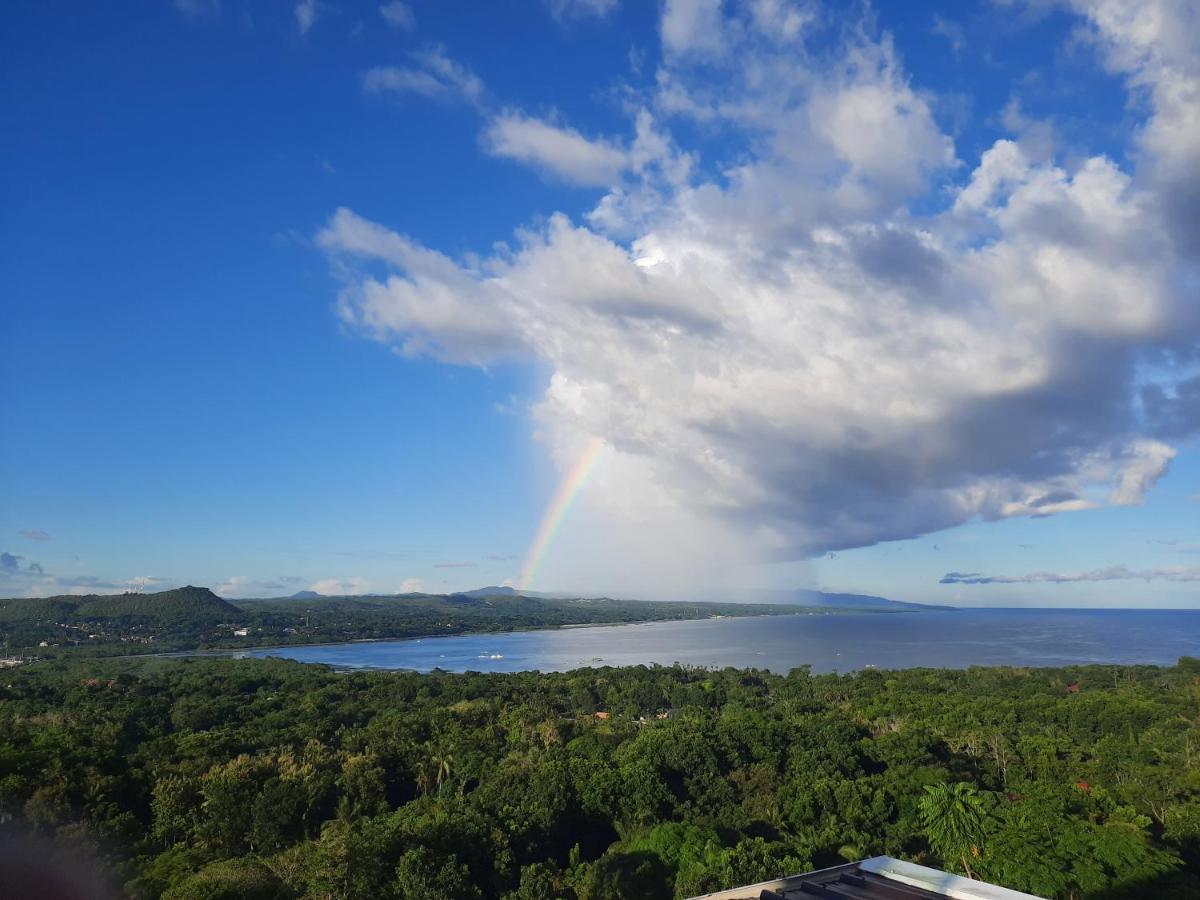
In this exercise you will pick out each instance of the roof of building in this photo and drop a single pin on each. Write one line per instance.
(878, 878)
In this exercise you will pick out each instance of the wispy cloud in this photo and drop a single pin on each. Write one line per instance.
(306, 12)
(30, 579)
(35, 534)
(434, 76)
(1109, 573)
(454, 565)
(951, 31)
(565, 10)
(398, 15)
(244, 586)
(199, 9)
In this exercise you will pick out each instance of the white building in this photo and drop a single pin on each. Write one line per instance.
(878, 877)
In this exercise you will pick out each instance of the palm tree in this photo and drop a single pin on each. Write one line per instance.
(954, 816)
(444, 764)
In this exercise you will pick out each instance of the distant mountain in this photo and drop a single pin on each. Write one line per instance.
(306, 595)
(498, 591)
(851, 601)
(189, 603)
(491, 591)
(823, 599)
(799, 596)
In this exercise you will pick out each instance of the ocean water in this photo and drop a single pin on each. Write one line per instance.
(828, 643)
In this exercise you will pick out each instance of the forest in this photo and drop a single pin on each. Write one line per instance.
(221, 778)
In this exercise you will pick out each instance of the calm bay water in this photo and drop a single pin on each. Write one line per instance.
(828, 643)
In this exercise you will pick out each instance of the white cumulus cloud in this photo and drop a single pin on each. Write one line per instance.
(794, 355)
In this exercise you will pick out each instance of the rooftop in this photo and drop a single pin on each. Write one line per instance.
(879, 877)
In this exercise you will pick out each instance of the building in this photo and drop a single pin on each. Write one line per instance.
(879, 877)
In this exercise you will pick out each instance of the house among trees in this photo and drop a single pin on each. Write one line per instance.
(879, 877)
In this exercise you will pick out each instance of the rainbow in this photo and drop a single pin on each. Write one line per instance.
(560, 503)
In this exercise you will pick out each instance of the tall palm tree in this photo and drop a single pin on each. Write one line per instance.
(444, 764)
(954, 816)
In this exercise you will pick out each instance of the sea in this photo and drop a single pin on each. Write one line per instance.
(842, 642)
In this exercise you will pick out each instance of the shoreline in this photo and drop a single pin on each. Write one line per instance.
(825, 644)
(225, 651)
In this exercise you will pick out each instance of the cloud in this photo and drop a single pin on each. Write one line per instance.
(1037, 138)
(306, 12)
(411, 586)
(951, 31)
(691, 26)
(454, 565)
(561, 152)
(34, 534)
(244, 586)
(199, 9)
(564, 10)
(338, 587)
(501, 557)
(1173, 410)
(1110, 573)
(434, 76)
(86, 584)
(398, 15)
(839, 332)
(33, 580)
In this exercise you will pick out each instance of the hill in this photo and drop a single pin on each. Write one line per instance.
(491, 591)
(185, 604)
(505, 591)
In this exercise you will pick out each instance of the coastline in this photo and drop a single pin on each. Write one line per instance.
(1014, 639)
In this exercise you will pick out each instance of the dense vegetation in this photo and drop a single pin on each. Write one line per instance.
(195, 618)
(210, 778)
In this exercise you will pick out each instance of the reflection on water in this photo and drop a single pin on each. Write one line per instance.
(841, 643)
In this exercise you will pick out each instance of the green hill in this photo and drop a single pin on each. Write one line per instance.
(185, 604)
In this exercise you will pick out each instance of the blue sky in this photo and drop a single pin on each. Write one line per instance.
(330, 295)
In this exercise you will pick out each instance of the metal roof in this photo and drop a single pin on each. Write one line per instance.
(878, 878)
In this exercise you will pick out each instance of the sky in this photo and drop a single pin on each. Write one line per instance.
(646, 299)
